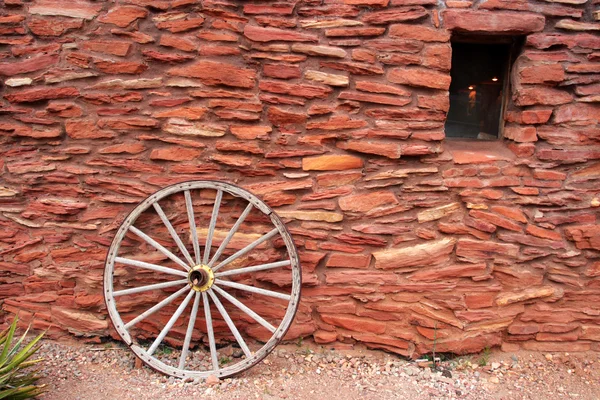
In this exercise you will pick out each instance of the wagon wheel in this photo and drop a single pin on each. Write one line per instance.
(195, 265)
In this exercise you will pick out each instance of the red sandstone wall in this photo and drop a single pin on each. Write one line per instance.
(331, 111)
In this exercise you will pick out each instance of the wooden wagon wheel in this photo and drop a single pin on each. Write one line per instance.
(240, 258)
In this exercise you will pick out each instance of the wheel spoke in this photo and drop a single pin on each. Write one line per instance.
(171, 322)
(158, 247)
(211, 334)
(245, 309)
(246, 249)
(211, 227)
(192, 219)
(174, 234)
(149, 287)
(232, 232)
(254, 268)
(230, 324)
(253, 289)
(153, 267)
(155, 308)
(189, 332)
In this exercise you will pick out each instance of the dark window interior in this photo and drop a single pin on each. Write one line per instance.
(478, 75)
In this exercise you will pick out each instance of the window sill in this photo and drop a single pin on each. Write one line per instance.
(478, 152)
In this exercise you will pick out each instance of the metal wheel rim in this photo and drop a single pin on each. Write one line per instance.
(278, 334)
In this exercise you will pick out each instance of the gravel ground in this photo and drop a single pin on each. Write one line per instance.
(108, 371)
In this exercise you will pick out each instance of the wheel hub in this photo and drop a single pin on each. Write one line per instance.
(201, 278)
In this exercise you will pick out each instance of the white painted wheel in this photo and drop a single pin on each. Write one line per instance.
(207, 268)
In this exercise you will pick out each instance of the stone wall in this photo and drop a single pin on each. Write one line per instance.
(333, 112)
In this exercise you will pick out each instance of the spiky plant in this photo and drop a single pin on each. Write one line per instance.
(17, 381)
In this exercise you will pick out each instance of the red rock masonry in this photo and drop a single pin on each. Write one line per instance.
(333, 106)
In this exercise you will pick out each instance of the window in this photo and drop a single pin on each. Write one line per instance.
(479, 88)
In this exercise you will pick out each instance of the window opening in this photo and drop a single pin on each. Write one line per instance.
(479, 88)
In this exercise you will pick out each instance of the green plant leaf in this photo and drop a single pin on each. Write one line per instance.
(25, 392)
(29, 363)
(24, 354)
(8, 340)
(16, 382)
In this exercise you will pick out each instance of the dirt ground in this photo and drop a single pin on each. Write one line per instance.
(307, 371)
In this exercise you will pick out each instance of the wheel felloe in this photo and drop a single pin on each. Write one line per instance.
(202, 287)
